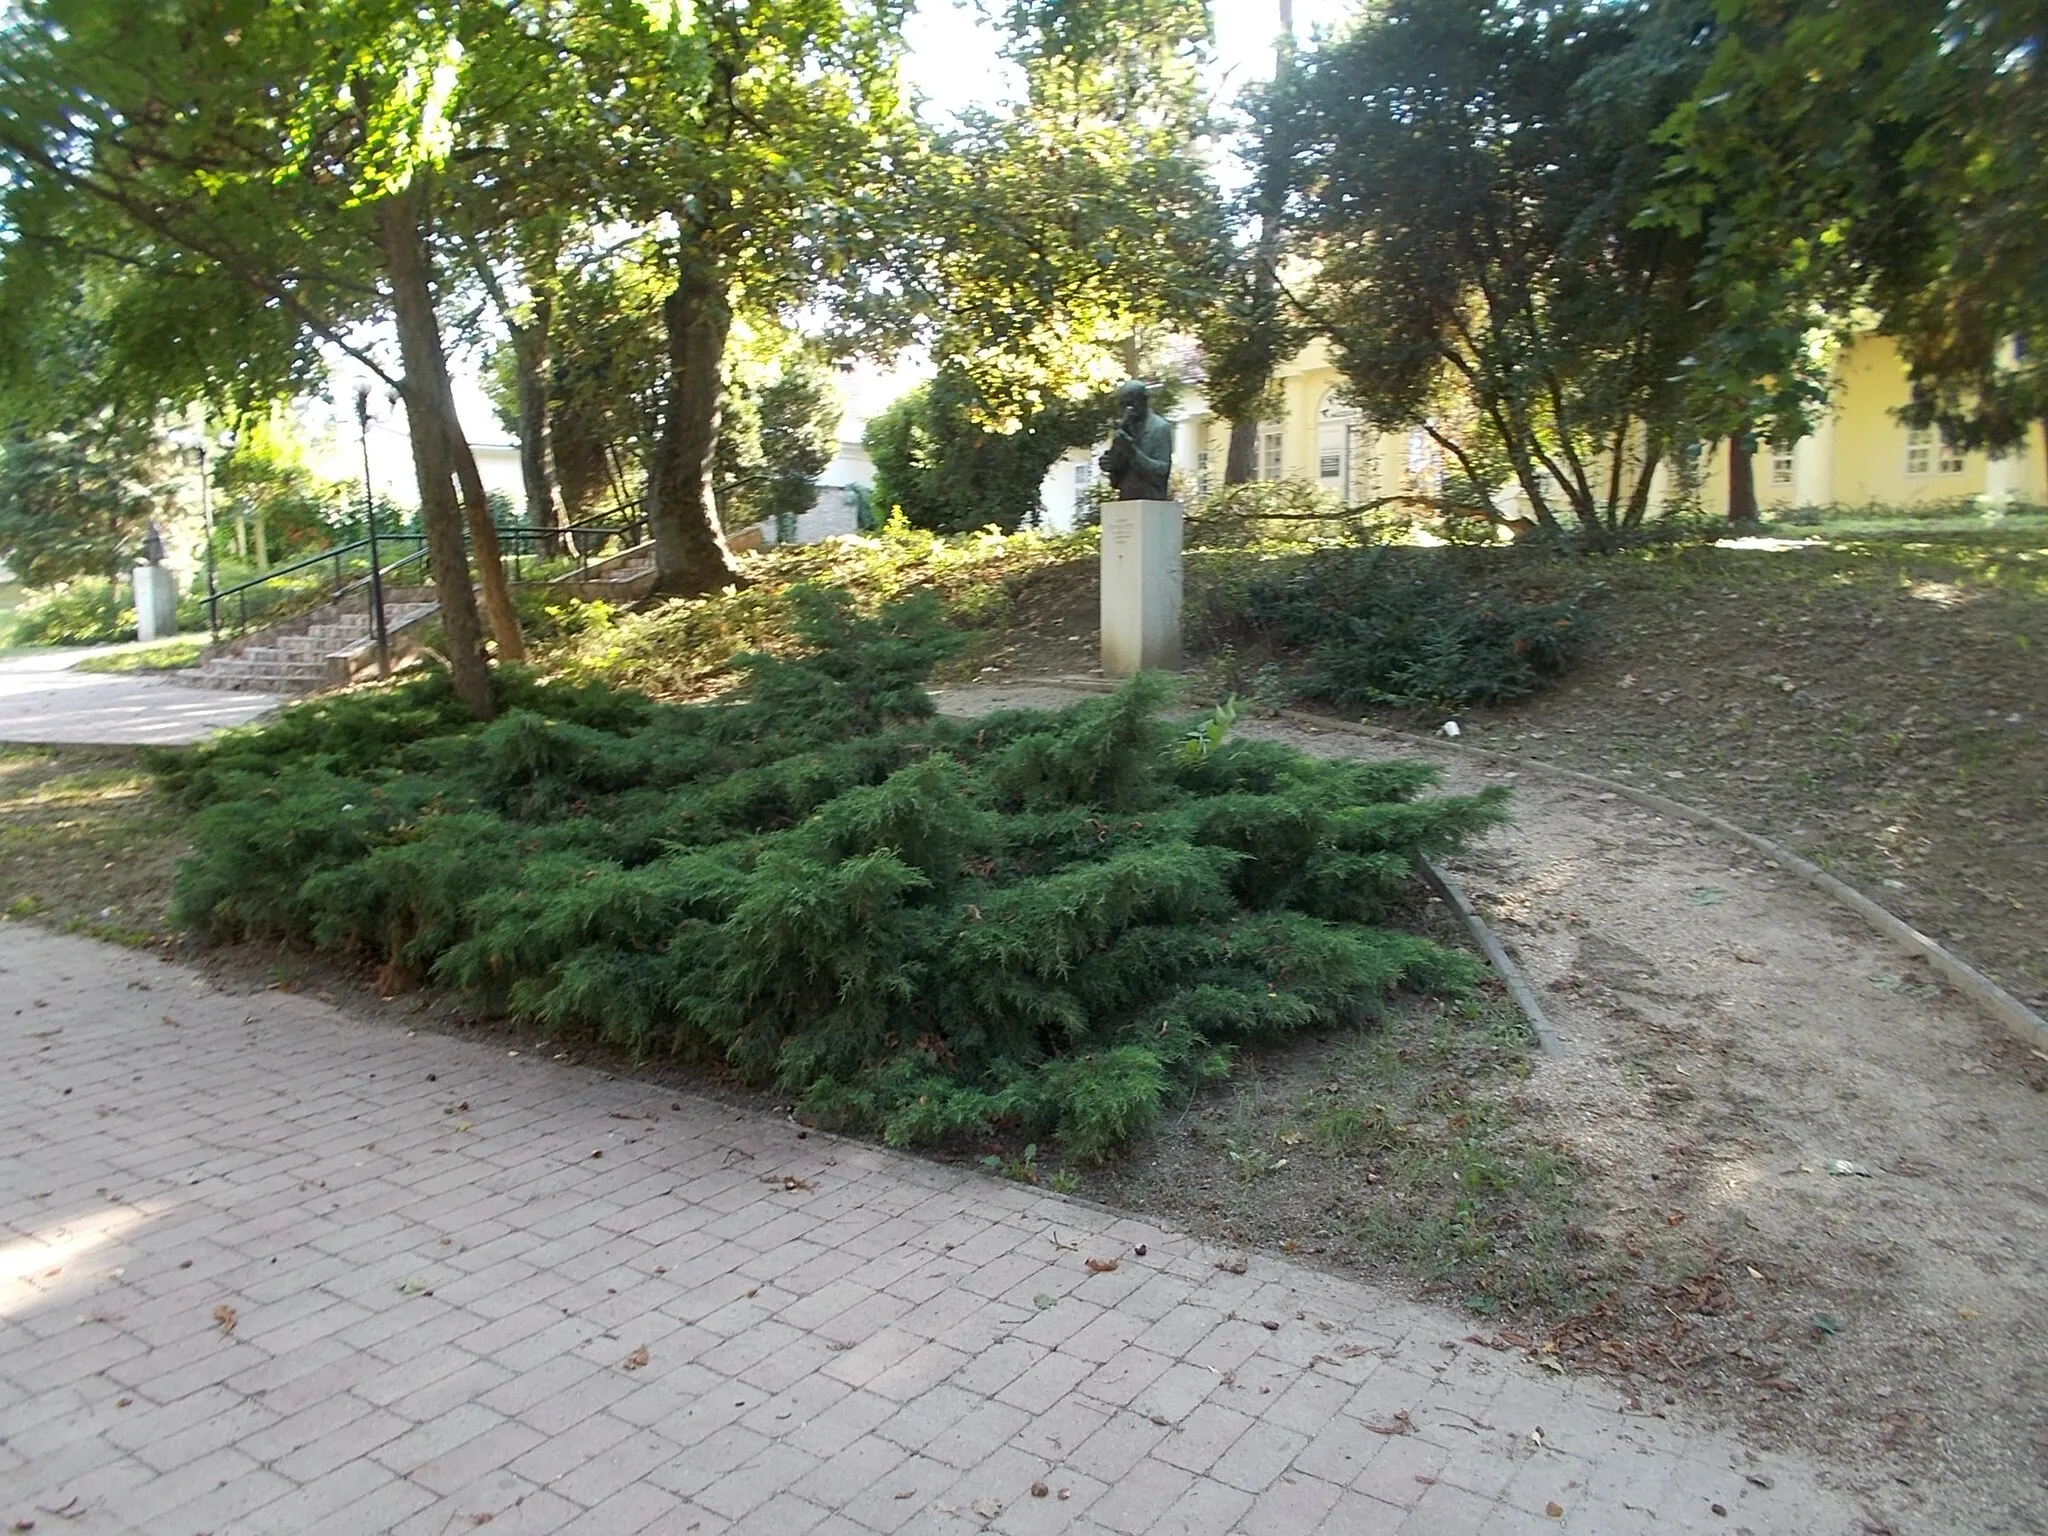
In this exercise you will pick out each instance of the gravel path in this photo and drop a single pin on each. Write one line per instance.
(1730, 1036)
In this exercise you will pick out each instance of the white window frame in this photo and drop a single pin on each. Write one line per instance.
(1272, 451)
(1929, 455)
(1782, 464)
(1919, 452)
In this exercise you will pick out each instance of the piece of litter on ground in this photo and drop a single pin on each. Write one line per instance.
(1841, 1167)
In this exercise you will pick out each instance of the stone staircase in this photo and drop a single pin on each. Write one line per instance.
(330, 647)
(625, 577)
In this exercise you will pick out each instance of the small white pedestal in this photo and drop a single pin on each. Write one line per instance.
(1141, 586)
(156, 603)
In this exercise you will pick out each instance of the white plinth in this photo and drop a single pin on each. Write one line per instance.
(156, 603)
(1141, 586)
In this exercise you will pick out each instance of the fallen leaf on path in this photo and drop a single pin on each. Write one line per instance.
(1400, 1425)
(1039, 1490)
(1101, 1266)
(988, 1509)
(1554, 1509)
(225, 1316)
(635, 1360)
(1234, 1265)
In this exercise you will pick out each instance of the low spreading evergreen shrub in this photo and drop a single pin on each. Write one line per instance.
(1396, 628)
(1034, 922)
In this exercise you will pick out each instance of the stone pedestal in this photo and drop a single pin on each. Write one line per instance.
(1141, 586)
(156, 603)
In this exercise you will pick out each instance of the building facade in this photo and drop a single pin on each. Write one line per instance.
(1858, 453)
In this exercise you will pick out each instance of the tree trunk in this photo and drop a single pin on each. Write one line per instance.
(483, 535)
(530, 362)
(690, 554)
(419, 344)
(1741, 479)
(579, 460)
(1241, 459)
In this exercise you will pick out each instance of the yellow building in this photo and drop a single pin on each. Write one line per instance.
(1858, 453)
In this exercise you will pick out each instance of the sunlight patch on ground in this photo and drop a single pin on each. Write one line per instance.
(1760, 541)
(1943, 594)
(38, 1266)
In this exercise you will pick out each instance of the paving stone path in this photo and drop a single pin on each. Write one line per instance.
(43, 700)
(267, 1268)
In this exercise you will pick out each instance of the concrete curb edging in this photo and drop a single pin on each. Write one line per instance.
(1497, 956)
(1962, 975)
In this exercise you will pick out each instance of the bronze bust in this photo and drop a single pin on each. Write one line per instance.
(1140, 457)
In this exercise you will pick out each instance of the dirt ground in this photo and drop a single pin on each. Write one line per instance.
(1826, 1176)
(1877, 704)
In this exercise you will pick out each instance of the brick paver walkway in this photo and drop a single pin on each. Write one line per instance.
(264, 1268)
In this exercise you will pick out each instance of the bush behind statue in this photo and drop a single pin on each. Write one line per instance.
(1037, 921)
(1398, 628)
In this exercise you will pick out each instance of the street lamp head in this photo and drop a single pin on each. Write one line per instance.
(363, 405)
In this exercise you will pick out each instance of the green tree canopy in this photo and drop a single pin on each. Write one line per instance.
(77, 504)
(1470, 178)
(1889, 159)
(936, 459)
(1055, 235)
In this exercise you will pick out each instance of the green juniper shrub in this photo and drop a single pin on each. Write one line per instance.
(1385, 627)
(1036, 922)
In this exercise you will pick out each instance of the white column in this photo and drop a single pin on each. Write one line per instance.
(2005, 478)
(1141, 586)
(1813, 465)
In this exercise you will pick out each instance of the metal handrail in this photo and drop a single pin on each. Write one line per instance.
(586, 539)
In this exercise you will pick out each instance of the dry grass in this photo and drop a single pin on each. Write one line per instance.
(86, 842)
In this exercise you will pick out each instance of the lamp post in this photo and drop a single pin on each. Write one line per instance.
(370, 522)
(206, 532)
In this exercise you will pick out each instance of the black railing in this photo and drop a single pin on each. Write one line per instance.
(360, 566)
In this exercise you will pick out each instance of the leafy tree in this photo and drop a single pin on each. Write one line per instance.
(936, 459)
(266, 486)
(1054, 237)
(289, 153)
(1889, 156)
(781, 435)
(758, 146)
(1248, 332)
(77, 504)
(1470, 182)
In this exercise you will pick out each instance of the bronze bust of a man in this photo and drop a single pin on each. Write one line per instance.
(1140, 457)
